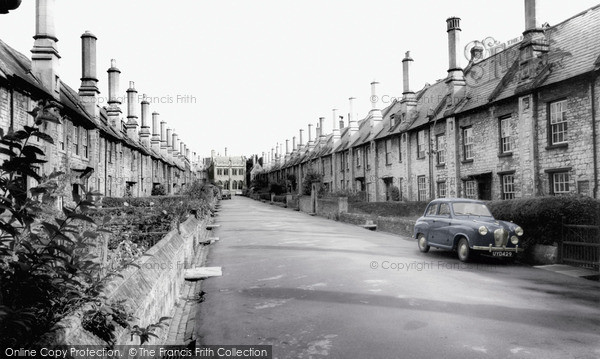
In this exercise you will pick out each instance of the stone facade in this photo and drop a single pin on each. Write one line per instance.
(520, 122)
(89, 137)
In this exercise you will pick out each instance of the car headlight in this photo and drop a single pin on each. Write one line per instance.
(483, 230)
(514, 240)
(519, 231)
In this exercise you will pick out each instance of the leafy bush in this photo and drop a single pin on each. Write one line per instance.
(277, 187)
(389, 209)
(541, 217)
(159, 190)
(309, 178)
(47, 267)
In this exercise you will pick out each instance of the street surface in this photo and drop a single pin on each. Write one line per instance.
(316, 288)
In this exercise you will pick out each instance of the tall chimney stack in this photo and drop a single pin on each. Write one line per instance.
(456, 78)
(163, 137)
(321, 125)
(155, 141)
(132, 124)
(45, 57)
(170, 142)
(225, 151)
(175, 142)
(114, 102)
(145, 129)
(335, 131)
(300, 140)
(310, 142)
(534, 42)
(376, 115)
(531, 20)
(352, 122)
(88, 92)
(409, 100)
(294, 148)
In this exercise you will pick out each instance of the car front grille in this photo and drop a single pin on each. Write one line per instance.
(501, 237)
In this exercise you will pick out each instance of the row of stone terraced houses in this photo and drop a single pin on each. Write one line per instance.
(126, 159)
(518, 122)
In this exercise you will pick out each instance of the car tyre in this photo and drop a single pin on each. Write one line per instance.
(422, 242)
(463, 250)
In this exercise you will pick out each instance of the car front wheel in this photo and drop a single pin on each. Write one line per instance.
(423, 246)
(463, 250)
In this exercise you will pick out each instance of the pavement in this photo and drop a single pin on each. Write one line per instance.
(315, 288)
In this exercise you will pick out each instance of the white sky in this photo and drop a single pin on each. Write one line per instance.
(260, 70)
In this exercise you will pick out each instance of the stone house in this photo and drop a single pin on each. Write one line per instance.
(519, 120)
(96, 147)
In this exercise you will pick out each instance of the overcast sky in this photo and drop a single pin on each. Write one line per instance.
(255, 72)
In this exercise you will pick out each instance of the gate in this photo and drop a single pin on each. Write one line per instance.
(580, 246)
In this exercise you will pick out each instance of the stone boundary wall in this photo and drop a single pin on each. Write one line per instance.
(151, 290)
(305, 204)
(395, 225)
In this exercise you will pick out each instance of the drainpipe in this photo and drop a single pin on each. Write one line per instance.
(430, 139)
(105, 166)
(12, 110)
(594, 136)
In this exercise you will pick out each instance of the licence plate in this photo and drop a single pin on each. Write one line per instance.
(502, 254)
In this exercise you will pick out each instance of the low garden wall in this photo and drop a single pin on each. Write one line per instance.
(150, 288)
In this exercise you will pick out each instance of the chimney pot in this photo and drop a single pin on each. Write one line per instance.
(531, 21)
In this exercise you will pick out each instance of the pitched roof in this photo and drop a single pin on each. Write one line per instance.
(16, 68)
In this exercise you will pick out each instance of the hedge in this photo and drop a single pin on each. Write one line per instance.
(541, 217)
(389, 209)
(141, 201)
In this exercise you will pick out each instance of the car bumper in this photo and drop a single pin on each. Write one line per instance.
(498, 249)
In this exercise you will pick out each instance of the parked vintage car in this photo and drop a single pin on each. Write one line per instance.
(225, 194)
(468, 227)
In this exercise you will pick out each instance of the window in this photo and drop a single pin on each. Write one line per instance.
(109, 186)
(76, 140)
(444, 209)
(560, 183)
(219, 171)
(241, 172)
(558, 122)
(440, 147)
(441, 189)
(226, 171)
(357, 156)
(468, 143)
(508, 186)
(347, 159)
(367, 159)
(388, 151)
(330, 160)
(234, 173)
(60, 129)
(432, 210)
(421, 144)
(505, 135)
(84, 143)
(422, 188)
(133, 162)
(399, 149)
(471, 189)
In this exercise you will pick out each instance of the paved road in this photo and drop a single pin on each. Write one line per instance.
(316, 288)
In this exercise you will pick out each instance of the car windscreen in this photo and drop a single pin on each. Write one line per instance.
(471, 209)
